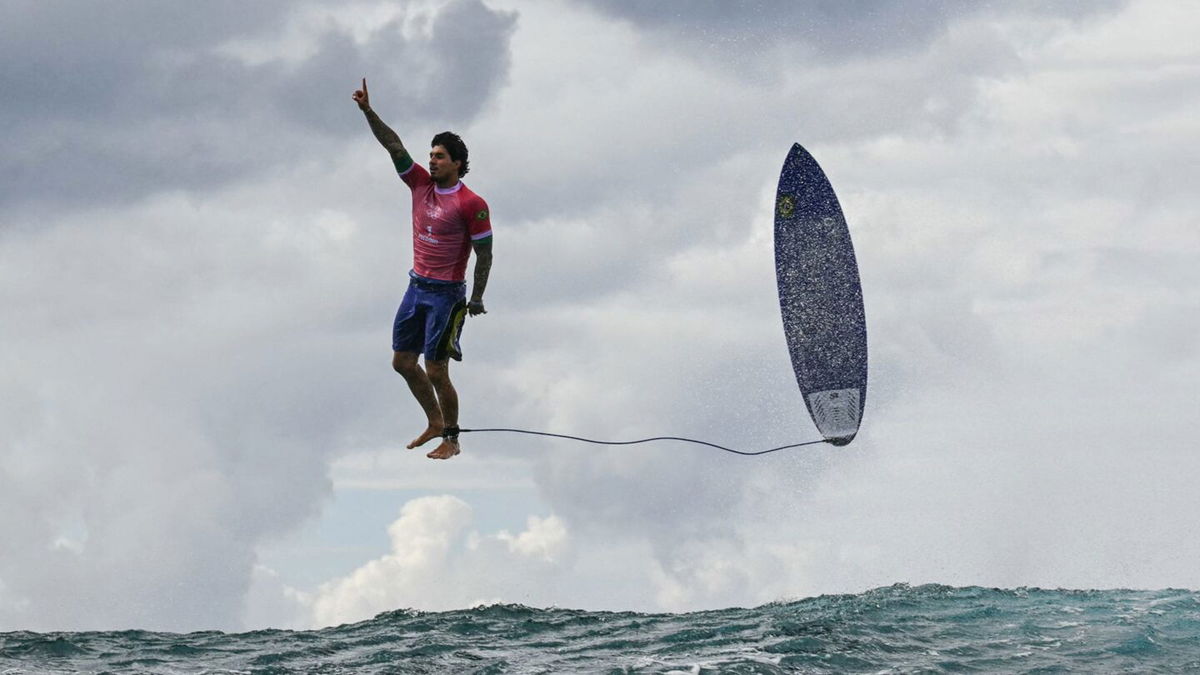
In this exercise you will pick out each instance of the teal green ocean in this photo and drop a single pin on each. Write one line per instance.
(899, 629)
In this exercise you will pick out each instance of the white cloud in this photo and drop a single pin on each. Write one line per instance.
(437, 562)
(271, 602)
(545, 539)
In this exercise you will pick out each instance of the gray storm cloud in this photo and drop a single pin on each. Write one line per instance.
(113, 104)
(175, 335)
(194, 329)
(739, 33)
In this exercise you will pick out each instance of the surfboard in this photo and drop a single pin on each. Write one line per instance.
(820, 298)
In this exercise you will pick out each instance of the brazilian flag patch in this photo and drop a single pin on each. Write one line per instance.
(482, 215)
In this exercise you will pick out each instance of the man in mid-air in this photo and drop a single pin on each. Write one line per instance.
(448, 222)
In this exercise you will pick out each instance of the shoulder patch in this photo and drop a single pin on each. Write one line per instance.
(482, 215)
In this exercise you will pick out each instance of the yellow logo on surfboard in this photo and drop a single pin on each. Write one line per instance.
(786, 206)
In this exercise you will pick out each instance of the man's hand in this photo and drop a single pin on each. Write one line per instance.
(362, 98)
(475, 308)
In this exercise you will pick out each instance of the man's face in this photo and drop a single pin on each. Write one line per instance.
(441, 167)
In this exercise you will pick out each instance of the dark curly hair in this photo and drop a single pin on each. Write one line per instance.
(455, 147)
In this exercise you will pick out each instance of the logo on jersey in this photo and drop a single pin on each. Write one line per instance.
(428, 237)
(482, 215)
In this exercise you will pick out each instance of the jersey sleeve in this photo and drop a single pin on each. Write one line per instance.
(415, 176)
(481, 219)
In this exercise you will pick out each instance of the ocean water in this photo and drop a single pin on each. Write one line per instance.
(899, 629)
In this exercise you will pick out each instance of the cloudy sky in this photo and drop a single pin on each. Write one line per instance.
(202, 248)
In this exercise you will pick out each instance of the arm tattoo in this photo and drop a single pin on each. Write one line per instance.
(388, 139)
(483, 267)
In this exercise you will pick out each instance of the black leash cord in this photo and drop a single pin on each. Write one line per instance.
(646, 440)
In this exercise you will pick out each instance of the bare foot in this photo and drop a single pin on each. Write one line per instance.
(446, 450)
(431, 432)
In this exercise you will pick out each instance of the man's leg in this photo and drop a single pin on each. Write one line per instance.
(422, 389)
(439, 377)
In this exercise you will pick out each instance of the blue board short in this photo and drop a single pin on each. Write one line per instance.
(430, 319)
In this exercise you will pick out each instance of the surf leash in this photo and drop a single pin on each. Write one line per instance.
(643, 440)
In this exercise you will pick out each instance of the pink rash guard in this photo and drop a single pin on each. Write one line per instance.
(445, 222)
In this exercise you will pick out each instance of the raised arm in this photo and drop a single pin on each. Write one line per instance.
(383, 133)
